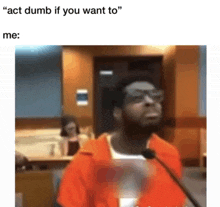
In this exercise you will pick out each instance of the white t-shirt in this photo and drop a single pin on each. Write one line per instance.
(129, 187)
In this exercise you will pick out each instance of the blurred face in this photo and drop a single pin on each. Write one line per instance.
(71, 129)
(142, 104)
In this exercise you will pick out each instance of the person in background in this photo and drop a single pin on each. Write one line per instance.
(69, 131)
(21, 162)
(69, 145)
(20, 159)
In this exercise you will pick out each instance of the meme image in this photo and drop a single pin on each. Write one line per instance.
(110, 126)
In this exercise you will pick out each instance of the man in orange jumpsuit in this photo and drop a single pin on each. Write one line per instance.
(95, 177)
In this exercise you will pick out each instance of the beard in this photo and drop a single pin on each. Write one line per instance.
(132, 127)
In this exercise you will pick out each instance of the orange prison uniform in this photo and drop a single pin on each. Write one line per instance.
(81, 188)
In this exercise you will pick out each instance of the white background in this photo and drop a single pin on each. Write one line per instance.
(138, 23)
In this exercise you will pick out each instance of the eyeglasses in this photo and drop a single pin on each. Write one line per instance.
(137, 95)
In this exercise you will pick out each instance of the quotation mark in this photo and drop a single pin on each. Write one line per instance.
(119, 7)
(5, 8)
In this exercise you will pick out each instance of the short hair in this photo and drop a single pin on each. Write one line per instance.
(118, 93)
(66, 120)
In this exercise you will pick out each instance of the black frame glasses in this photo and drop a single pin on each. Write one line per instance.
(138, 95)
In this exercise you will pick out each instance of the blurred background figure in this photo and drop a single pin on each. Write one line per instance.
(68, 146)
(20, 160)
(69, 131)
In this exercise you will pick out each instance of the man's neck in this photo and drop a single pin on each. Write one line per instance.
(129, 144)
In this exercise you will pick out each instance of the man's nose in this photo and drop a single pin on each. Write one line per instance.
(148, 101)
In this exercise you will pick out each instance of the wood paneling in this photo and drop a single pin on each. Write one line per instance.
(45, 123)
(187, 140)
(186, 122)
(190, 162)
(37, 123)
(187, 91)
(37, 188)
(78, 62)
(187, 54)
(77, 74)
(169, 82)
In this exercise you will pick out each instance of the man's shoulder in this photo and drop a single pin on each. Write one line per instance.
(93, 150)
(95, 147)
(163, 147)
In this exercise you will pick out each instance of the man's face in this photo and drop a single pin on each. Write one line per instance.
(142, 104)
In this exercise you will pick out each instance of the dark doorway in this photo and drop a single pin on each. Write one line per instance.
(107, 71)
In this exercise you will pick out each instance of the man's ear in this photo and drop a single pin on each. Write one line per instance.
(117, 113)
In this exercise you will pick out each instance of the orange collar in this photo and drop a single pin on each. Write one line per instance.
(99, 148)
